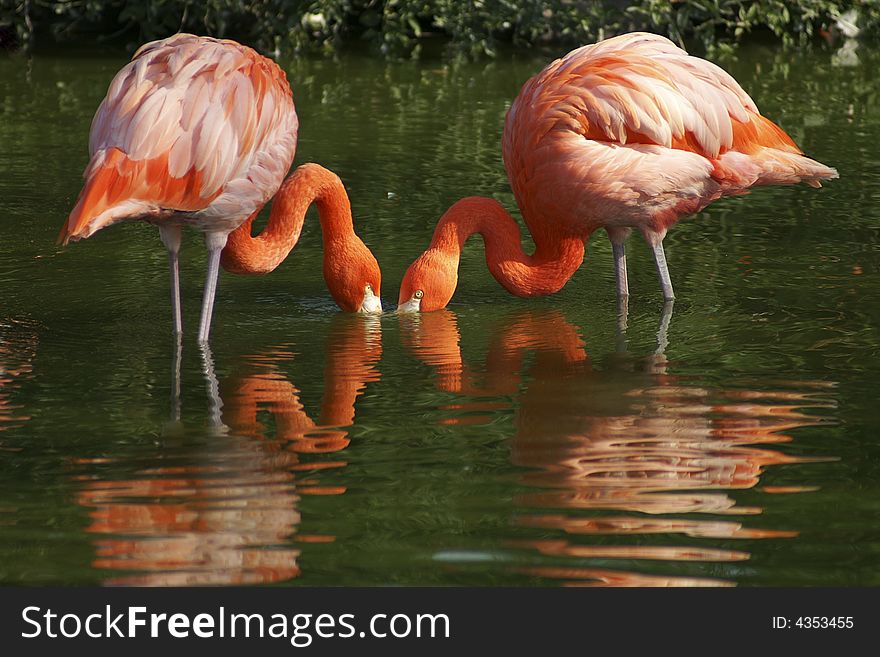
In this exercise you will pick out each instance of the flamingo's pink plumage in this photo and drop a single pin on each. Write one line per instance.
(191, 125)
(200, 131)
(631, 132)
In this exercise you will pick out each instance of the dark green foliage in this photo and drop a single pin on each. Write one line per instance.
(398, 26)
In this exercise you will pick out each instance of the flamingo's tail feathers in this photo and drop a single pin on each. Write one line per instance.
(769, 166)
(763, 154)
(106, 196)
(779, 168)
(818, 172)
(119, 188)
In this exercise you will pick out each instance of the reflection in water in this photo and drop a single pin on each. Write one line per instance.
(223, 521)
(226, 511)
(622, 448)
(18, 348)
(354, 347)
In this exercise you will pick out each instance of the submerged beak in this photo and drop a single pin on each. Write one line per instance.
(371, 304)
(411, 306)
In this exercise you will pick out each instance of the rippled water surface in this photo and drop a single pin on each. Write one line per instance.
(730, 441)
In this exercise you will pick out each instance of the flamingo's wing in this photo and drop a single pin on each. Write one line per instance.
(639, 116)
(642, 88)
(188, 120)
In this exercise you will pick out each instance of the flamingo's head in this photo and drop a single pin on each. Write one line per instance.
(429, 283)
(353, 277)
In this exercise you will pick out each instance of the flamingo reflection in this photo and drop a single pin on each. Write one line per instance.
(618, 448)
(18, 348)
(228, 512)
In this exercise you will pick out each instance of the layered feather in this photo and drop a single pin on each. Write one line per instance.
(633, 131)
(193, 129)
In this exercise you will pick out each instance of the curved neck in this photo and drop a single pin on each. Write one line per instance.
(557, 254)
(247, 254)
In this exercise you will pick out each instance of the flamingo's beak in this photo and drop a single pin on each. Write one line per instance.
(371, 303)
(411, 306)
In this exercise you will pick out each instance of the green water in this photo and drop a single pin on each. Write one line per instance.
(504, 441)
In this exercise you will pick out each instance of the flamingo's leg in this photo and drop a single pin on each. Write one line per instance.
(215, 241)
(171, 238)
(662, 269)
(618, 238)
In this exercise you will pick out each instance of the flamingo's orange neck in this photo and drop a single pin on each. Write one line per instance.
(557, 255)
(348, 264)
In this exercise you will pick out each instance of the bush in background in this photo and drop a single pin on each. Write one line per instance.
(398, 26)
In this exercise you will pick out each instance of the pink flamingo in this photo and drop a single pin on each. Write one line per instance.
(201, 132)
(630, 132)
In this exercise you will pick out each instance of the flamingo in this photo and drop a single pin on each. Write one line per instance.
(631, 132)
(201, 132)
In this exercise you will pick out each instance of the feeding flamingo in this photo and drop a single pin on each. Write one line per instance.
(201, 132)
(631, 132)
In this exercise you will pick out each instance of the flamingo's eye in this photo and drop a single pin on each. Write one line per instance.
(419, 294)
